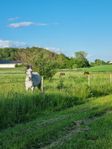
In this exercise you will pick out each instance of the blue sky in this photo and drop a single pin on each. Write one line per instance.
(61, 25)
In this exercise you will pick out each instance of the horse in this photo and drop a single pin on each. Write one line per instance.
(62, 74)
(33, 80)
(86, 73)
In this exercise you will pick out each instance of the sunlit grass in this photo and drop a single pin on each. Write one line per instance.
(36, 120)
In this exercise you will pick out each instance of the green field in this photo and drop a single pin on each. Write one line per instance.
(101, 68)
(70, 114)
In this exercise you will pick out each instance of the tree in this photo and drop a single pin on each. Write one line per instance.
(80, 59)
(98, 62)
(42, 60)
(45, 67)
(81, 54)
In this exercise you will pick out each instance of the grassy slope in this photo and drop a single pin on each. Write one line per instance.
(85, 126)
(18, 70)
(102, 68)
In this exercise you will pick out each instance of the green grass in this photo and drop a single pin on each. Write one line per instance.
(70, 114)
(17, 70)
(101, 68)
(84, 126)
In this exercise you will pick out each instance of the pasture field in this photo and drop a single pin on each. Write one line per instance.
(70, 114)
(101, 68)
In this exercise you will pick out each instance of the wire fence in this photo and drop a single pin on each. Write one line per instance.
(20, 78)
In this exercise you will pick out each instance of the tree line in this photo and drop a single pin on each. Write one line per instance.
(45, 61)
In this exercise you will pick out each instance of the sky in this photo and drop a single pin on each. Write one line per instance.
(64, 26)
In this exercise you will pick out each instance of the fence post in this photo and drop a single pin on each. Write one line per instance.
(42, 84)
(110, 78)
(89, 80)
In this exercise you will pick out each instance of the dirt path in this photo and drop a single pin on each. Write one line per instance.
(74, 129)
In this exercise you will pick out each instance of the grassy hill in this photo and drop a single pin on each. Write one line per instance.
(101, 68)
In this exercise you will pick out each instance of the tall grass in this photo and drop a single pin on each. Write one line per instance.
(18, 106)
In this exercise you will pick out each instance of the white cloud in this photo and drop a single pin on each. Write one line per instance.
(8, 43)
(20, 24)
(25, 24)
(5, 43)
(40, 24)
(12, 19)
(53, 49)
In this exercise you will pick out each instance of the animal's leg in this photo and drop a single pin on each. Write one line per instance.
(39, 86)
(27, 88)
(32, 88)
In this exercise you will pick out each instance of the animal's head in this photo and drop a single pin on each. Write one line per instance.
(29, 66)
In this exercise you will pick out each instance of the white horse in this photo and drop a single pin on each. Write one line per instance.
(33, 79)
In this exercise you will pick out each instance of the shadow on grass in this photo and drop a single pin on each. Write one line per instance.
(20, 108)
(100, 92)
